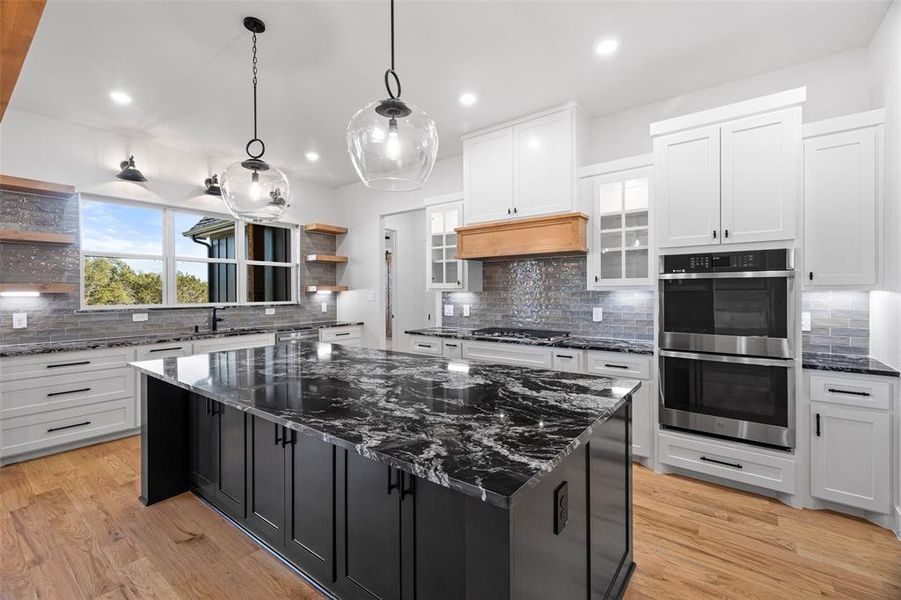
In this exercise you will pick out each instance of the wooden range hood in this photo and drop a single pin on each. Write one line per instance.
(553, 235)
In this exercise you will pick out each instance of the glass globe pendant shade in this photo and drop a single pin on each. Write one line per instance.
(254, 191)
(392, 145)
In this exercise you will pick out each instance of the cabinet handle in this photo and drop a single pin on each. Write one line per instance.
(69, 364)
(595, 278)
(515, 210)
(391, 485)
(405, 490)
(209, 404)
(818, 424)
(810, 276)
(451, 345)
(165, 349)
(285, 437)
(714, 234)
(51, 394)
(565, 356)
(727, 233)
(342, 334)
(722, 462)
(52, 429)
(837, 391)
(508, 211)
(293, 437)
(615, 366)
(277, 438)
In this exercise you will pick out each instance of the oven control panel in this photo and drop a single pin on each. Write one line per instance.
(755, 260)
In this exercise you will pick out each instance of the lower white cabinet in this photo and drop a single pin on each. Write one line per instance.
(238, 342)
(452, 348)
(619, 364)
(520, 355)
(350, 335)
(850, 456)
(164, 350)
(423, 344)
(569, 360)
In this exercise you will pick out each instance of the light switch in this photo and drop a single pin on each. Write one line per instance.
(324, 307)
(597, 314)
(805, 321)
(466, 308)
(20, 320)
(448, 310)
(138, 317)
(270, 311)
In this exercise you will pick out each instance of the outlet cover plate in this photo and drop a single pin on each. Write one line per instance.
(448, 310)
(466, 309)
(805, 321)
(270, 311)
(20, 320)
(324, 307)
(597, 314)
(138, 317)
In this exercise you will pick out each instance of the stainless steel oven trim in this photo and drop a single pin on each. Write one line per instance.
(741, 360)
(746, 431)
(728, 275)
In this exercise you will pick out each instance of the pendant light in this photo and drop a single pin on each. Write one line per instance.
(129, 172)
(392, 143)
(252, 189)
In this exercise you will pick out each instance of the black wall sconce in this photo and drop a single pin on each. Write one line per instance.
(212, 185)
(129, 172)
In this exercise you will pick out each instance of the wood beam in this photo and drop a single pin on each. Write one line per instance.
(18, 22)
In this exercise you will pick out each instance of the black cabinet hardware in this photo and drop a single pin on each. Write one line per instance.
(714, 234)
(726, 233)
(722, 462)
(508, 211)
(342, 334)
(293, 437)
(837, 391)
(595, 278)
(71, 364)
(810, 276)
(165, 349)
(451, 345)
(406, 485)
(209, 406)
(565, 356)
(52, 429)
(615, 366)
(278, 439)
(515, 210)
(51, 394)
(423, 345)
(286, 436)
(392, 485)
(818, 424)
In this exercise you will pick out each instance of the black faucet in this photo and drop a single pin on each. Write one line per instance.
(216, 318)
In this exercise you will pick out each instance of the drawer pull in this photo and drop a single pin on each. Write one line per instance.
(340, 334)
(70, 364)
(451, 345)
(615, 366)
(570, 356)
(51, 394)
(166, 349)
(426, 345)
(837, 391)
(52, 429)
(818, 425)
(722, 462)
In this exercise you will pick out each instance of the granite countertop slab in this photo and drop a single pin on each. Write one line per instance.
(11, 350)
(846, 364)
(583, 342)
(489, 431)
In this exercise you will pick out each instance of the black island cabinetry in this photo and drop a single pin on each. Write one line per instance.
(353, 518)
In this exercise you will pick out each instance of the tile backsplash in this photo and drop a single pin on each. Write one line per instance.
(57, 317)
(550, 293)
(839, 322)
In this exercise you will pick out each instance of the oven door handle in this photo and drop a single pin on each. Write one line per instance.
(740, 360)
(728, 275)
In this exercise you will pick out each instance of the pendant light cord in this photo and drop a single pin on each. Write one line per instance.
(255, 86)
(392, 35)
(390, 73)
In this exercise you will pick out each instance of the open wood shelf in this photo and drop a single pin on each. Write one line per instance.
(323, 228)
(326, 288)
(325, 258)
(44, 288)
(33, 186)
(35, 237)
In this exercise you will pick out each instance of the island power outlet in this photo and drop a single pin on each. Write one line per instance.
(561, 507)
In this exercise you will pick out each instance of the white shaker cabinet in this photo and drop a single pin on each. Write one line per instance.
(444, 272)
(840, 209)
(488, 176)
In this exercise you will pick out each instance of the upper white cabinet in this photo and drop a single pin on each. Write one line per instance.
(443, 270)
(725, 180)
(841, 236)
(524, 168)
(618, 198)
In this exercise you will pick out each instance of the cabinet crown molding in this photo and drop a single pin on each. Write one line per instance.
(870, 118)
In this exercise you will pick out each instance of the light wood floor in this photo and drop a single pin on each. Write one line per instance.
(71, 527)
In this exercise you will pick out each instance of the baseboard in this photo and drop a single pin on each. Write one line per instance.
(9, 460)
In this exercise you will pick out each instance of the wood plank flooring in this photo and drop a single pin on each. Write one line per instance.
(71, 527)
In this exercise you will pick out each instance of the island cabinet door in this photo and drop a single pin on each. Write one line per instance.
(369, 528)
(266, 480)
(310, 505)
(231, 457)
(203, 451)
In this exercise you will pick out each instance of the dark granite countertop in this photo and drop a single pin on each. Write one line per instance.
(485, 430)
(583, 342)
(10, 350)
(846, 364)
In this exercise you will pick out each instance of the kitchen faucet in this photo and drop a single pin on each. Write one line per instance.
(216, 318)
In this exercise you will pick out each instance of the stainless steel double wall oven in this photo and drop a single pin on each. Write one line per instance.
(727, 343)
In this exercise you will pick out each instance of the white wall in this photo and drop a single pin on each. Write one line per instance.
(410, 297)
(38, 147)
(836, 85)
(885, 76)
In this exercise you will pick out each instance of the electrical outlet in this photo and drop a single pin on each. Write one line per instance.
(270, 311)
(466, 308)
(20, 320)
(372, 295)
(324, 307)
(805, 321)
(138, 317)
(448, 310)
(561, 507)
(597, 314)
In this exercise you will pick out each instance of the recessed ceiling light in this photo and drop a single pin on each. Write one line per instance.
(606, 47)
(312, 156)
(120, 97)
(468, 99)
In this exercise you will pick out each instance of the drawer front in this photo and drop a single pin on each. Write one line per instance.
(163, 350)
(753, 468)
(425, 345)
(851, 391)
(62, 363)
(510, 354)
(340, 334)
(45, 430)
(28, 396)
(452, 349)
(617, 364)
(569, 361)
(233, 343)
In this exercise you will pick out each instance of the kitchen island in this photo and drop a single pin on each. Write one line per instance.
(389, 475)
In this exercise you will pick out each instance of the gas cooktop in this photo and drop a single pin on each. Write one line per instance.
(516, 333)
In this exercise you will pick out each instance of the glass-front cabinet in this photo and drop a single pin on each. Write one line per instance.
(443, 270)
(621, 245)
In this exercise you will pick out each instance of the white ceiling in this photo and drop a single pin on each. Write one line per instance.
(187, 63)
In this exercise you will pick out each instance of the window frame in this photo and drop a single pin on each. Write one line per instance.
(170, 259)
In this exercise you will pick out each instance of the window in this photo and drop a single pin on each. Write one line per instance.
(137, 255)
